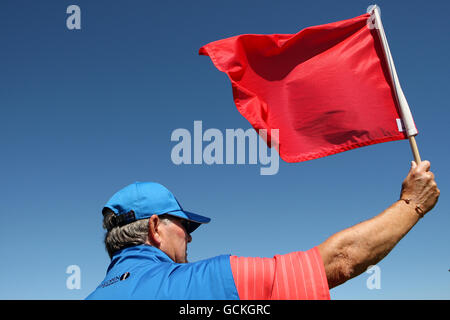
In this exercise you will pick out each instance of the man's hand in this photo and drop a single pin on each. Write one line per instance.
(420, 188)
(349, 252)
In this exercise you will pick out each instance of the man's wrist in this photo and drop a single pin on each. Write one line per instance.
(415, 207)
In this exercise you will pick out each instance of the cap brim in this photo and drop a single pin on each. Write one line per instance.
(195, 219)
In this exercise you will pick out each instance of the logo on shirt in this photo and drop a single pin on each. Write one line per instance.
(124, 276)
(114, 280)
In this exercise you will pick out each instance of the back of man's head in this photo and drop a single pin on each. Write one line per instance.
(119, 237)
(126, 214)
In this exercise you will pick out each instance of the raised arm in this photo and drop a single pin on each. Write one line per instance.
(350, 252)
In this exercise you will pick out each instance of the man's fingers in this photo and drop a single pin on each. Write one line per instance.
(424, 166)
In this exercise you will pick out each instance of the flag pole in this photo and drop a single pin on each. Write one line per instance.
(405, 112)
(414, 149)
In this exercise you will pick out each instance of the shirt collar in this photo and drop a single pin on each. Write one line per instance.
(139, 252)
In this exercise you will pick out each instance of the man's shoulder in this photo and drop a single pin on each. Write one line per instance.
(216, 260)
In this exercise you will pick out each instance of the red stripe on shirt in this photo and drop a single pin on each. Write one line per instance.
(294, 276)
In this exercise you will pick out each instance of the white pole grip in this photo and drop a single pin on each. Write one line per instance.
(405, 112)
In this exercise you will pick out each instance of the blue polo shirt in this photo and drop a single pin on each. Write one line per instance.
(145, 272)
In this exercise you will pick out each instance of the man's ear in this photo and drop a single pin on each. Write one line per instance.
(154, 235)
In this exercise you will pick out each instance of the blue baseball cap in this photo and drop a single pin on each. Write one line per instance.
(141, 200)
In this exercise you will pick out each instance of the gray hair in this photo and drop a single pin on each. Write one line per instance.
(120, 237)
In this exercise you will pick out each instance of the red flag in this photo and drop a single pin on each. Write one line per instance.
(327, 88)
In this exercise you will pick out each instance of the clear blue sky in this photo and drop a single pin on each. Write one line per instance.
(86, 112)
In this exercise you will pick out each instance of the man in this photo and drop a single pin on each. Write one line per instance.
(148, 232)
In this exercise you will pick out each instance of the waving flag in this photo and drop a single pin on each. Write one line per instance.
(328, 88)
